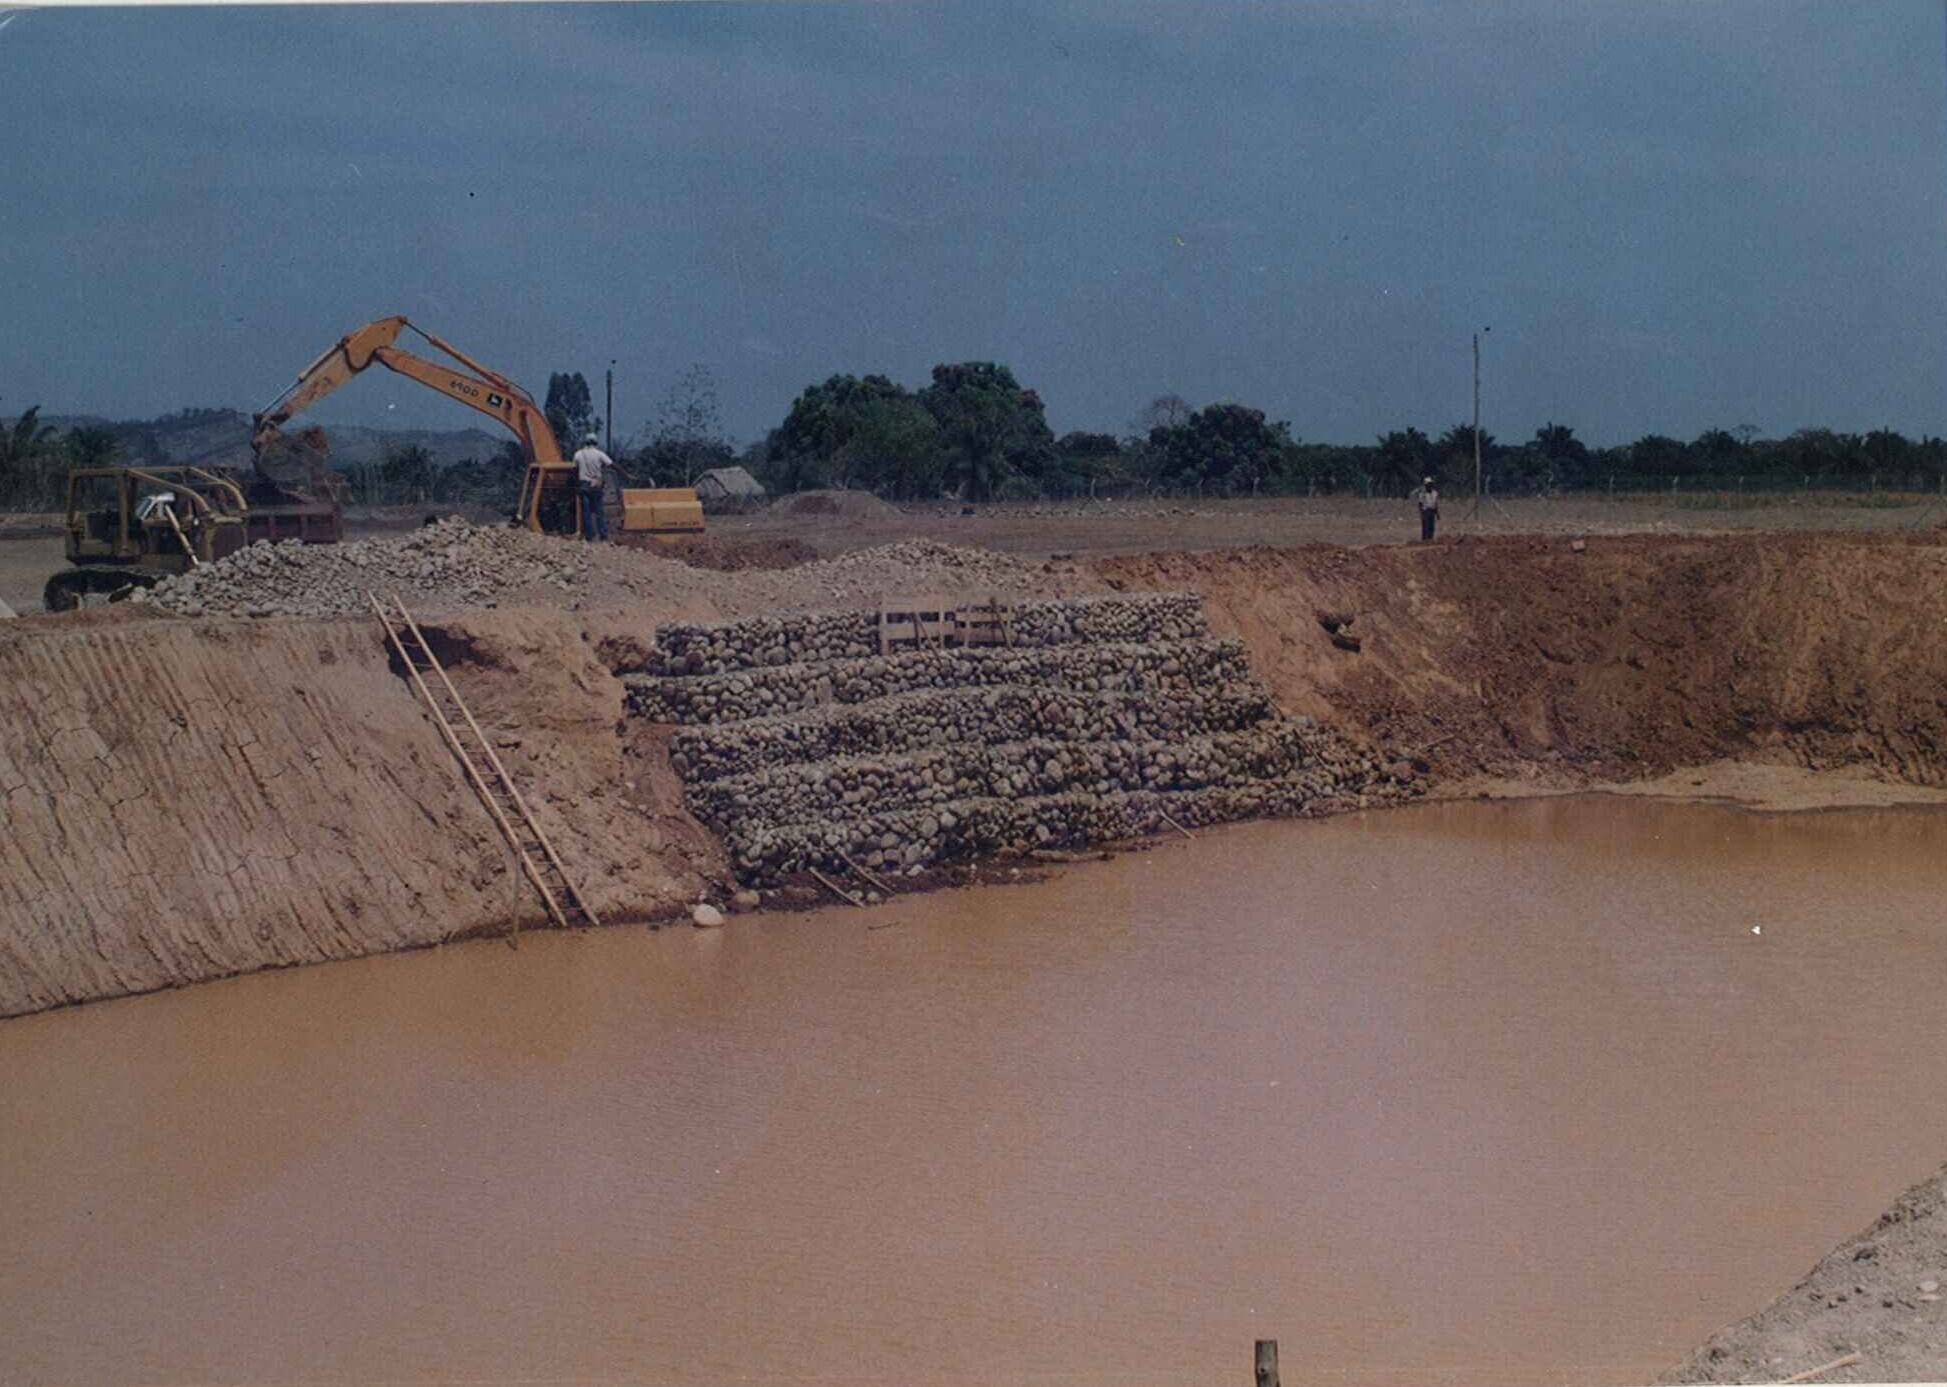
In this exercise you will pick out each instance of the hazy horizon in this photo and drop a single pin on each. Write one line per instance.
(1672, 217)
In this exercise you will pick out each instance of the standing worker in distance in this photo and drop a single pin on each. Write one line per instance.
(1429, 498)
(590, 467)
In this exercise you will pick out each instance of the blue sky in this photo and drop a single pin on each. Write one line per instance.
(1673, 216)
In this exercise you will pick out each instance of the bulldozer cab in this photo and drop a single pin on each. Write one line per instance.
(152, 518)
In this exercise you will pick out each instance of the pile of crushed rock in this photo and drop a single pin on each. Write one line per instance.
(447, 563)
(452, 563)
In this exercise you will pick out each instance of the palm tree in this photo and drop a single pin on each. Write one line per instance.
(25, 447)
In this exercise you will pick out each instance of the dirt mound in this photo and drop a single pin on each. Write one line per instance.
(728, 555)
(845, 505)
(1620, 658)
(1877, 1295)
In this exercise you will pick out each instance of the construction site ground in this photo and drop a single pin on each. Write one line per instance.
(1783, 655)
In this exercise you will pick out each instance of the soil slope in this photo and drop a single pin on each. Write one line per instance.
(1878, 1296)
(1626, 657)
(189, 799)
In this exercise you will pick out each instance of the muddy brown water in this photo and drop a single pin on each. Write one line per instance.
(1453, 1093)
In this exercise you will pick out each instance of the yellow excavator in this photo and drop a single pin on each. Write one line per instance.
(549, 500)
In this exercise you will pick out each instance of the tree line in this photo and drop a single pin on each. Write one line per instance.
(973, 432)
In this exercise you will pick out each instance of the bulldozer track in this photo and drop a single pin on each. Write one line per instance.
(497, 790)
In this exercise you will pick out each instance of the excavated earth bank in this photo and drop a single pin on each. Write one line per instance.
(192, 797)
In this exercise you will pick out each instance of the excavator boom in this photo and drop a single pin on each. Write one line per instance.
(548, 478)
(486, 390)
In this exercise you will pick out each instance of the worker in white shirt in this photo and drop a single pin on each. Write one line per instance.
(590, 461)
(1429, 498)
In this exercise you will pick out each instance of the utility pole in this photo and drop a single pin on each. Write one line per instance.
(1477, 422)
(608, 416)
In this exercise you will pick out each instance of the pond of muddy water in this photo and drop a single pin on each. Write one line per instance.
(1542, 1090)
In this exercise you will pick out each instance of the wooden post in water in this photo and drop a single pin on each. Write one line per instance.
(1266, 1366)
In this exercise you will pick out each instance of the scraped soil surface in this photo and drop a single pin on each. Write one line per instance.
(1877, 1295)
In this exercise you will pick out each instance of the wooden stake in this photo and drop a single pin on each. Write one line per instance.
(1177, 826)
(836, 889)
(1822, 1369)
(846, 858)
(1265, 1364)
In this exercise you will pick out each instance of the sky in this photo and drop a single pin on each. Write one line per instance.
(1667, 217)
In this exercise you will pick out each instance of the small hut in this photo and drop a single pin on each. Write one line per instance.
(728, 488)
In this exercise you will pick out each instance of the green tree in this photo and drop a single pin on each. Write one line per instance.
(570, 410)
(1456, 449)
(893, 449)
(1226, 446)
(1658, 455)
(1405, 459)
(686, 437)
(25, 446)
(1716, 449)
(996, 432)
(1086, 461)
(810, 448)
(407, 474)
(90, 445)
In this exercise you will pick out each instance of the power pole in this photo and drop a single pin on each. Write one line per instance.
(1477, 423)
(608, 417)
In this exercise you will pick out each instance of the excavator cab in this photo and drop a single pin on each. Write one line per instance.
(550, 501)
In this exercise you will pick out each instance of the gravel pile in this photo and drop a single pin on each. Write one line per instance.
(928, 755)
(449, 563)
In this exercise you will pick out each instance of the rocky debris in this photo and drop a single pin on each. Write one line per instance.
(803, 754)
(934, 717)
(451, 564)
(1121, 667)
(447, 563)
(683, 648)
(706, 916)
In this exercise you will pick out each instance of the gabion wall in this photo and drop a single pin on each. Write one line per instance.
(1107, 718)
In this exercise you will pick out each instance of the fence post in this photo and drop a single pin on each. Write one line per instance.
(1265, 1364)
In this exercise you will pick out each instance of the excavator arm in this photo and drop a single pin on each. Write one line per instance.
(485, 390)
(476, 386)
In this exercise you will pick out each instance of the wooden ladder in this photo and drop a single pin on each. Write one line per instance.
(498, 793)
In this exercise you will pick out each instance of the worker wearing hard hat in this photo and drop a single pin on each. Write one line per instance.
(590, 465)
(1429, 498)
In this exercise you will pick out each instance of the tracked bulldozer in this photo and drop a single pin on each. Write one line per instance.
(131, 527)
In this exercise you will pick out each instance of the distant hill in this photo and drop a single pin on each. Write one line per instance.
(221, 438)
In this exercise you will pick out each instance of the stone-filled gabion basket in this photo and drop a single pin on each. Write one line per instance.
(1105, 718)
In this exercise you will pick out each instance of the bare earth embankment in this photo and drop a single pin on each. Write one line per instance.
(191, 796)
